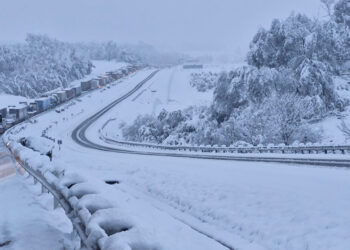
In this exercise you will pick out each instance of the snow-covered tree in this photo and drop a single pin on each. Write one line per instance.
(328, 5)
(39, 65)
(342, 12)
(285, 41)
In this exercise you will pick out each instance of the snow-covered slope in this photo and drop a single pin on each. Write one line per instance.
(170, 89)
(330, 126)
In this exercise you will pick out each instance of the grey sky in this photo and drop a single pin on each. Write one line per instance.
(185, 25)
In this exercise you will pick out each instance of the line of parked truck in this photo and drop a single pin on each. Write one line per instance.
(11, 115)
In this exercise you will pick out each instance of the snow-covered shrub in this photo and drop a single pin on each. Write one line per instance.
(242, 144)
(147, 128)
(315, 80)
(287, 118)
(278, 119)
(203, 81)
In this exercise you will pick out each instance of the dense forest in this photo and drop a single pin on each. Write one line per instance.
(39, 65)
(286, 84)
(42, 64)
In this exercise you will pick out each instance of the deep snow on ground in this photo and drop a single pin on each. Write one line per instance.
(330, 126)
(247, 205)
(170, 90)
(27, 218)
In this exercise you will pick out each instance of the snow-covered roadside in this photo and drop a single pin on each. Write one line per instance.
(27, 219)
(150, 228)
(274, 206)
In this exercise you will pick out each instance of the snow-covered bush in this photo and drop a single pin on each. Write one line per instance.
(203, 81)
(147, 128)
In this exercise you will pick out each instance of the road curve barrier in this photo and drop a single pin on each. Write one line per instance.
(301, 149)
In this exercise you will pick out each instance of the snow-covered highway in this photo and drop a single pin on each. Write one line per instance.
(202, 203)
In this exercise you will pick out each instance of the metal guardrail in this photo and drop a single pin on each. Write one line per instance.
(345, 149)
(59, 199)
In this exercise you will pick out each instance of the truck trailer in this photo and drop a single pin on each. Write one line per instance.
(95, 83)
(43, 104)
(69, 93)
(85, 86)
(3, 112)
(77, 91)
(62, 96)
(20, 113)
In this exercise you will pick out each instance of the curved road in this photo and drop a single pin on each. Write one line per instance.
(79, 136)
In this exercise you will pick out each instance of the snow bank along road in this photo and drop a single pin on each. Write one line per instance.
(26, 220)
(244, 205)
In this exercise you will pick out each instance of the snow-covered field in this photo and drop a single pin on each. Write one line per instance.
(330, 126)
(27, 219)
(245, 205)
(169, 90)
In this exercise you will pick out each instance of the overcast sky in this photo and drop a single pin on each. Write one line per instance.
(183, 25)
